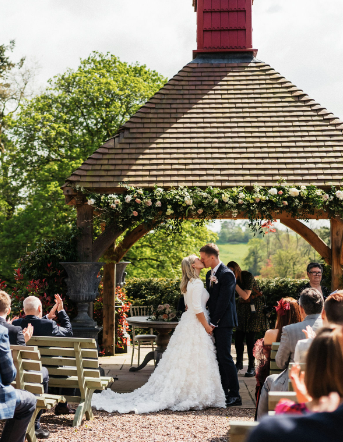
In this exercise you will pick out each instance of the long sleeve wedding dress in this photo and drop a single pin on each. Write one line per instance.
(187, 377)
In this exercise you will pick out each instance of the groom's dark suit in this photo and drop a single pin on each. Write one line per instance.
(222, 307)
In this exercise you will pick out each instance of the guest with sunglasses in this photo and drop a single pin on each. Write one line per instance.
(315, 274)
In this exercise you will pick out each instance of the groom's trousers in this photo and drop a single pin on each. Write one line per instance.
(227, 368)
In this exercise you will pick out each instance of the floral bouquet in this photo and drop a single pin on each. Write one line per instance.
(164, 313)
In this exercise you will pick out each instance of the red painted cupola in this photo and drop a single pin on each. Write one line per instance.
(224, 26)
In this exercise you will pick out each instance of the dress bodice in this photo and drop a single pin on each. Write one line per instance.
(196, 296)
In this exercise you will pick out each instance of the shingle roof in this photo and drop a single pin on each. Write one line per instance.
(221, 124)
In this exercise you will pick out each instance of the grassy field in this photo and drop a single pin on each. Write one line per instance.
(233, 252)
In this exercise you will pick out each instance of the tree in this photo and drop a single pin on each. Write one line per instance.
(159, 253)
(254, 259)
(234, 233)
(52, 135)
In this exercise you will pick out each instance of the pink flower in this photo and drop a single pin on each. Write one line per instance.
(280, 192)
(158, 204)
(285, 203)
(148, 203)
(215, 201)
(113, 206)
(257, 200)
(240, 201)
(200, 211)
(138, 201)
(134, 213)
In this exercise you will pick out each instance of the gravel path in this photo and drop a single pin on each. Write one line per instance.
(209, 425)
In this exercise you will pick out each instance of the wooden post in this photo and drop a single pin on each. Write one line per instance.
(336, 247)
(85, 242)
(108, 336)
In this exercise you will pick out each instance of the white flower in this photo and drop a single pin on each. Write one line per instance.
(240, 201)
(91, 202)
(159, 190)
(117, 202)
(339, 194)
(241, 196)
(200, 211)
(225, 198)
(272, 191)
(303, 187)
(234, 213)
(160, 308)
(215, 201)
(158, 204)
(140, 191)
(319, 192)
(128, 198)
(325, 197)
(169, 211)
(188, 201)
(293, 191)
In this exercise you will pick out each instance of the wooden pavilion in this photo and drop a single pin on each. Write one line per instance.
(226, 119)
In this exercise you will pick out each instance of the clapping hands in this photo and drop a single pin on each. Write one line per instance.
(58, 306)
(298, 383)
(309, 332)
(28, 332)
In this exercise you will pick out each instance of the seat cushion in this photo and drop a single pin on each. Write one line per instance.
(145, 337)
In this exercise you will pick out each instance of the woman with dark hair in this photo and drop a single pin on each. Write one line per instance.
(288, 312)
(251, 318)
(323, 374)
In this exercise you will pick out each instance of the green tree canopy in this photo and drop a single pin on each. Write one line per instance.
(159, 254)
(52, 135)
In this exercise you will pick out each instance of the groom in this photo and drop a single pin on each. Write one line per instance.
(221, 284)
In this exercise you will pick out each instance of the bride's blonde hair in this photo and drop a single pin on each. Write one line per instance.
(188, 272)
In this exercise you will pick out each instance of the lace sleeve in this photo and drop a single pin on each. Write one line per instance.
(197, 288)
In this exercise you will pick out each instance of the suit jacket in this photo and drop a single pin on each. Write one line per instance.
(47, 327)
(15, 333)
(290, 335)
(301, 350)
(8, 396)
(314, 427)
(222, 304)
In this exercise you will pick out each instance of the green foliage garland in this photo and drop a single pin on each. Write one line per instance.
(158, 205)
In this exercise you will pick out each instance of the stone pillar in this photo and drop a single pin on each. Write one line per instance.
(82, 283)
(336, 250)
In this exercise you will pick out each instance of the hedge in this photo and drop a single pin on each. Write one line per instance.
(157, 291)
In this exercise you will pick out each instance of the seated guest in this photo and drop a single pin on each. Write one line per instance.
(324, 425)
(332, 314)
(311, 306)
(18, 336)
(288, 312)
(47, 327)
(315, 274)
(323, 375)
(16, 406)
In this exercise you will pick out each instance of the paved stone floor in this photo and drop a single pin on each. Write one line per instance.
(125, 381)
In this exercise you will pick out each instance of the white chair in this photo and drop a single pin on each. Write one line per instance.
(141, 340)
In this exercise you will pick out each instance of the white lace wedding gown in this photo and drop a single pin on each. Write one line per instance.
(187, 376)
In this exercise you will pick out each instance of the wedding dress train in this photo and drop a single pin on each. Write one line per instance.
(187, 377)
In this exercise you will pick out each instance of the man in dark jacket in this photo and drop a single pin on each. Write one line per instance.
(221, 285)
(46, 326)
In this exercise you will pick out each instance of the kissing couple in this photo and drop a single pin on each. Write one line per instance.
(194, 372)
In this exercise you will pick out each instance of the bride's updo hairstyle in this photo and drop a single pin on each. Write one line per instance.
(188, 272)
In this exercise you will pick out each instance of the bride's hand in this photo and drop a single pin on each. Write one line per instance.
(209, 329)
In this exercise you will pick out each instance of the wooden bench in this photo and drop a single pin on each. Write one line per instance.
(274, 369)
(239, 430)
(275, 396)
(27, 358)
(75, 362)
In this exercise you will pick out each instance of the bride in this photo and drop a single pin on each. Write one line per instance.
(187, 376)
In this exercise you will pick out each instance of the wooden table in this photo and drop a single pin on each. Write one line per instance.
(163, 329)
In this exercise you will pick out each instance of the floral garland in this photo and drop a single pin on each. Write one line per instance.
(155, 206)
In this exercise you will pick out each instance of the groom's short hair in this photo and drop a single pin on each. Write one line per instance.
(210, 249)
